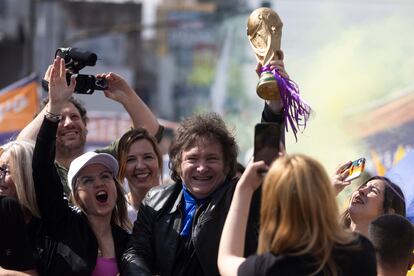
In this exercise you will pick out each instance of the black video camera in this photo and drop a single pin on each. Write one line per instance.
(75, 60)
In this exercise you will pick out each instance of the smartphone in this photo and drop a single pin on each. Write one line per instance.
(355, 169)
(266, 142)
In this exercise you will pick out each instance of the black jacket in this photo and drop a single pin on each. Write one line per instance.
(154, 241)
(155, 237)
(71, 247)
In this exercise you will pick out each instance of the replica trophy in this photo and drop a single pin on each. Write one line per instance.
(264, 30)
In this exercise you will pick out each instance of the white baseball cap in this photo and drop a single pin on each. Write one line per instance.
(90, 158)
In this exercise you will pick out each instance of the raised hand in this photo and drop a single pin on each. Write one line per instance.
(59, 91)
(338, 180)
(118, 89)
(251, 179)
(279, 65)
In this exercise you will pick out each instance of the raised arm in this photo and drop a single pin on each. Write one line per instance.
(231, 248)
(273, 110)
(48, 186)
(120, 91)
(338, 179)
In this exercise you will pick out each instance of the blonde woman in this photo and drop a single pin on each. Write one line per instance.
(16, 182)
(299, 229)
(16, 177)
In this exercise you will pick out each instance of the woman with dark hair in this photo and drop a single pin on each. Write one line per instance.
(140, 163)
(376, 196)
(299, 229)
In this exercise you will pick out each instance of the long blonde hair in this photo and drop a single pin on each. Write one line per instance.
(299, 214)
(20, 166)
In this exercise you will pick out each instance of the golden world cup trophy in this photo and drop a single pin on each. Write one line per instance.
(264, 30)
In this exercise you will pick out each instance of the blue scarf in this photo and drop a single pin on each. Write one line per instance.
(191, 204)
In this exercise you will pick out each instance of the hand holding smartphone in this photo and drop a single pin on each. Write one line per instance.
(266, 142)
(355, 169)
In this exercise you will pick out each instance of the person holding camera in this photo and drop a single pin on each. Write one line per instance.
(90, 238)
(72, 129)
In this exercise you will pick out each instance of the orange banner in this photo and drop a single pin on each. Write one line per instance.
(18, 104)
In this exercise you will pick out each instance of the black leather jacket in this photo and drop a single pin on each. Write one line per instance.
(154, 241)
(153, 244)
(70, 246)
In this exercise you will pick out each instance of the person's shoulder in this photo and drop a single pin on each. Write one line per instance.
(159, 195)
(9, 204)
(268, 264)
(357, 257)
(161, 189)
(367, 247)
(364, 241)
(360, 242)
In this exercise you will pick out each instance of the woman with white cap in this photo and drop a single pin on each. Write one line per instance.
(90, 239)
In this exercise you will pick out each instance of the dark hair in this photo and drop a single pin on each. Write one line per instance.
(125, 143)
(393, 199)
(78, 104)
(211, 127)
(393, 239)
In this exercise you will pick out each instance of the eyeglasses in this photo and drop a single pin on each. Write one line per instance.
(89, 180)
(4, 172)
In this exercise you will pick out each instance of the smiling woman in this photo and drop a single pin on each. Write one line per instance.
(377, 196)
(140, 163)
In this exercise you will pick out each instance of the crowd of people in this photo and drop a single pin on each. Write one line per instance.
(65, 211)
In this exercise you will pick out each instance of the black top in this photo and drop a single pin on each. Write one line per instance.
(15, 249)
(355, 259)
(72, 248)
(156, 246)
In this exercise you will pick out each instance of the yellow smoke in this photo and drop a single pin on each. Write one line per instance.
(359, 65)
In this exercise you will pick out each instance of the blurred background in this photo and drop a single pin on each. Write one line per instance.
(351, 59)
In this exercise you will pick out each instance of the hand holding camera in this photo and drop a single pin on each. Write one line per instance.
(59, 90)
(76, 59)
(117, 88)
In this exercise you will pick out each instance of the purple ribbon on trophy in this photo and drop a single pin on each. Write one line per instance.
(296, 111)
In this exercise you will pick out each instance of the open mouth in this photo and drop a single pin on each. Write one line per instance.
(357, 200)
(102, 196)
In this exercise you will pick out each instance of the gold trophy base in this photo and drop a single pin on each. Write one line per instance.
(267, 87)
